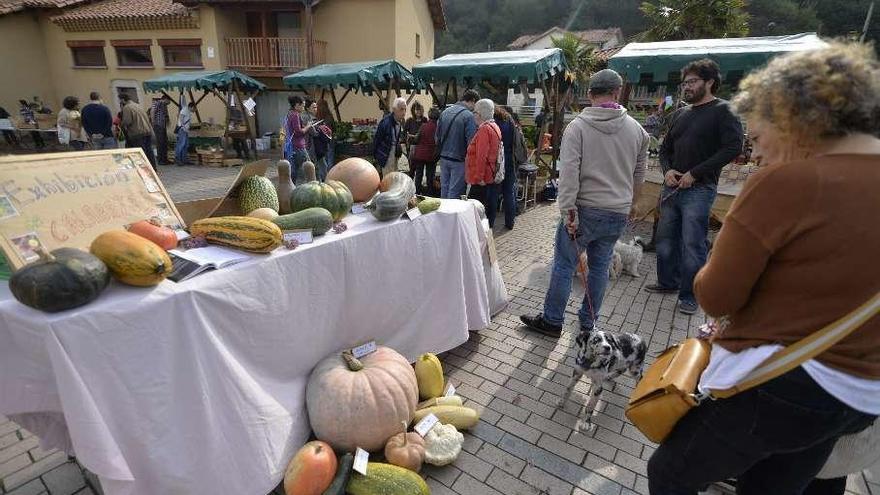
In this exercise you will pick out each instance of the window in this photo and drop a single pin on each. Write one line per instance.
(133, 53)
(87, 53)
(182, 53)
(418, 45)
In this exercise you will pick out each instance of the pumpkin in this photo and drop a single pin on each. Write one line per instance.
(361, 402)
(387, 479)
(132, 259)
(359, 175)
(311, 470)
(406, 450)
(398, 189)
(429, 373)
(333, 196)
(153, 230)
(64, 279)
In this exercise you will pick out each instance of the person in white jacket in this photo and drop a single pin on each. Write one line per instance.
(602, 166)
(184, 119)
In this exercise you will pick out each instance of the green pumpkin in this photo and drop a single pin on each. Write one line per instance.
(333, 196)
(65, 279)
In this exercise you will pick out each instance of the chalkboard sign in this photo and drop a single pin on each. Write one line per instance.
(68, 199)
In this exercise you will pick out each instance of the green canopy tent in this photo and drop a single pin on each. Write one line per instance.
(210, 82)
(545, 69)
(660, 59)
(369, 78)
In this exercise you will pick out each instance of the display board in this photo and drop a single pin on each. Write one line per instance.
(68, 199)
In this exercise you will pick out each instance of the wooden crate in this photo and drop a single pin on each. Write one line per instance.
(233, 162)
(46, 121)
(209, 158)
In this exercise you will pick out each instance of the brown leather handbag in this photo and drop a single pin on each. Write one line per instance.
(668, 390)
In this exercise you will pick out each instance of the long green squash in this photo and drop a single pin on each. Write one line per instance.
(398, 189)
(318, 219)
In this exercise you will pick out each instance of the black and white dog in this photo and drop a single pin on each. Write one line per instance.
(603, 356)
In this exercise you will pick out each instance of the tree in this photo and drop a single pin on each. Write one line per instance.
(695, 19)
(780, 17)
(578, 55)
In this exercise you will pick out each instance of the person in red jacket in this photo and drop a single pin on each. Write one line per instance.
(424, 162)
(482, 157)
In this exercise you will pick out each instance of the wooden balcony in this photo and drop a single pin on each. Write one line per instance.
(273, 56)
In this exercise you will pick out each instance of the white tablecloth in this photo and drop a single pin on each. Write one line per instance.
(199, 387)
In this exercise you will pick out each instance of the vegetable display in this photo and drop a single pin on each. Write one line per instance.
(246, 233)
(427, 205)
(255, 192)
(311, 470)
(359, 175)
(442, 445)
(64, 279)
(429, 373)
(406, 450)
(318, 219)
(361, 402)
(397, 189)
(132, 259)
(331, 195)
(387, 479)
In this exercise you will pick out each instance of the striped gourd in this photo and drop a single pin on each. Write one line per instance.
(246, 233)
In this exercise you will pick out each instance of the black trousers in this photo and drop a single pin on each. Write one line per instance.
(161, 144)
(241, 148)
(488, 195)
(773, 439)
(418, 170)
(145, 143)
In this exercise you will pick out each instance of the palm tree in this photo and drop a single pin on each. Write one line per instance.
(694, 19)
(579, 57)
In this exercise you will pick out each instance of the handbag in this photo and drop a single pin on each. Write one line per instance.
(668, 390)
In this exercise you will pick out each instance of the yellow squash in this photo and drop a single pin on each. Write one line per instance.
(429, 373)
(463, 418)
(132, 259)
(246, 233)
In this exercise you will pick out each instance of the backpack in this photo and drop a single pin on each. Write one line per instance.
(499, 161)
(520, 152)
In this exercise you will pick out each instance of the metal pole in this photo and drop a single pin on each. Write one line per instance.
(867, 22)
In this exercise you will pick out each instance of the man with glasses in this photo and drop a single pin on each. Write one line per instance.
(703, 137)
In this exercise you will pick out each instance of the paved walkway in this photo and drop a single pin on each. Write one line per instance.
(522, 444)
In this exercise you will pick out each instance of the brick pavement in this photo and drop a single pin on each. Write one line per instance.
(522, 444)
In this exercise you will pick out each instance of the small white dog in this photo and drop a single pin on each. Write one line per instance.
(627, 257)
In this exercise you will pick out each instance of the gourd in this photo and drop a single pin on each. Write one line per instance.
(462, 418)
(132, 259)
(397, 189)
(429, 373)
(343, 474)
(264, 213)
(359, 175)
(285, 187)
(246, 233)
(311, 470)
(442, 445)
(255, 192)
(333, 196)
(318, 219)
(64, 279)
(406, 450)
(153, 230)
(387, 479)
(452, 400)
(427, 205)
(361, 402)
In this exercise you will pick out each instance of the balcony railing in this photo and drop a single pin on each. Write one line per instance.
(273, 54)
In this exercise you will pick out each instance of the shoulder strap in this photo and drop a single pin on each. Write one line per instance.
(449, 127)
(796, 354)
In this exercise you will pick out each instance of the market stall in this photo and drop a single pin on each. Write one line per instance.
(233, 88)
(385, 79)
(497, 71)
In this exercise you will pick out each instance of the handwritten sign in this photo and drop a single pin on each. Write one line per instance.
(450, 390)
(364, 349)
(425, 425)
(413, 213)
(68, 199)
(302, 236)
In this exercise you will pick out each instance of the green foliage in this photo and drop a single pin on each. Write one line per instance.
(695, 19)
(578, 55)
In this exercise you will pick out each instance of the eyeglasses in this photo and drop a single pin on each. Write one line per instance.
(690, 82)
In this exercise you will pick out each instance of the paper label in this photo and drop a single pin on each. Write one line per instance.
(361, 457)
(413, 213)
(364, 349)
(303, 236)
(490, 245)
(358, 208)
(425, 425)
(450, 390)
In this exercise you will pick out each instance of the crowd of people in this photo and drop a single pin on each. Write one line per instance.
(779, 270)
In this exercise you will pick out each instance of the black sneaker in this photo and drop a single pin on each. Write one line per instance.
(687, 307)
(659, 289)
(538, 324)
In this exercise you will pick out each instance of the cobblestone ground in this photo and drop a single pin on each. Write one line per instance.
(522, 445)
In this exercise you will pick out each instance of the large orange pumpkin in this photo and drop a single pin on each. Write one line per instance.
(311, 470)
(359, 175)
(361, 403)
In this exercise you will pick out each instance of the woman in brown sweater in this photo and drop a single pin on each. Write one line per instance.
(795, 254)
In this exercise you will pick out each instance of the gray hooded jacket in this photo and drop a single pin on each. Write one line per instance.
(603, 156)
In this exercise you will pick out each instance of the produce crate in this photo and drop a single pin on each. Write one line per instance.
(354, 149)
(46, 121)
(211, 158)
(19, 123)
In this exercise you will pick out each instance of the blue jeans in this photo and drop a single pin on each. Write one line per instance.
(105, 143)
(682, 237)
(452, 184)
(181, 147)
(508, 194)
(598, 230)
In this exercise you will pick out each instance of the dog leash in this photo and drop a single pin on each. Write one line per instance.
(582, 269)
